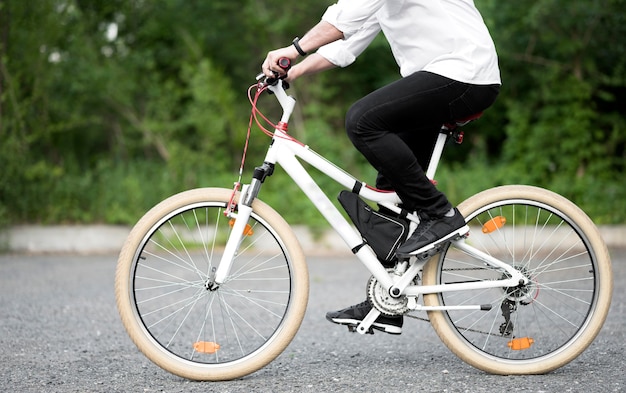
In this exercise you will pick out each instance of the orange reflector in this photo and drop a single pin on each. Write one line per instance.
(493, 224)
(206, 347)
(518, 344)
(248, 231)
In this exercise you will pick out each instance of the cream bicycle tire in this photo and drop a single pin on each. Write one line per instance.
(271, 286)
(578, 304)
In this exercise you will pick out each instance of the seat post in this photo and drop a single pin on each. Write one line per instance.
(437, 152)
(445, 132)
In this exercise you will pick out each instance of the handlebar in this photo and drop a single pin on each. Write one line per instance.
(285, 64)
(276, 86)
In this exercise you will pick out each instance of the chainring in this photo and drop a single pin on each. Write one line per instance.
(383, 301)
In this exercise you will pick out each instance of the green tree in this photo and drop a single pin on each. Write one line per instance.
(107, 107)
(563, 71)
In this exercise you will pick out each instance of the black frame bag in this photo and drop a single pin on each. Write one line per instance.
(383, 232)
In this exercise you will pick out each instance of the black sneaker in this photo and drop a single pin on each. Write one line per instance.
(353, 315)
(433, 231)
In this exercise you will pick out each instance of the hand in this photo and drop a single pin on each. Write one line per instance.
(270, 65)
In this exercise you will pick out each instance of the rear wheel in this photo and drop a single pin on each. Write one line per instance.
(189, 328)
(537, 327)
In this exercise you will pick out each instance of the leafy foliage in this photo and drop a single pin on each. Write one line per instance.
(108, 107)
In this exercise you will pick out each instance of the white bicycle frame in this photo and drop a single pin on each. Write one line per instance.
(287, 152)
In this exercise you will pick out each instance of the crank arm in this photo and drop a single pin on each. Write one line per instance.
(367, 322)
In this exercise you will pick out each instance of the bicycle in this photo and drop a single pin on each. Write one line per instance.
(212, 283)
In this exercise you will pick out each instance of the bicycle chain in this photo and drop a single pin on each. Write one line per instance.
(464, 329)
(398, 306)
(458, 328)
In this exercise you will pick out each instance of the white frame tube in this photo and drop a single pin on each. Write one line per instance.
(285, 152)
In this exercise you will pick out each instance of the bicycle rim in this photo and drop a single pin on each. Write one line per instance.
(534, 328)
(205, 334)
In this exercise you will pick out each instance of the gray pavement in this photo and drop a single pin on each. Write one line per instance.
(91, 239)
(60, 332)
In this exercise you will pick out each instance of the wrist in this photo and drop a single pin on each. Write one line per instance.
(296, 44)
(294, 73)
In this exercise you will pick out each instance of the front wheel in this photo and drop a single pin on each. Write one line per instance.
(187, 326)
(534, 328)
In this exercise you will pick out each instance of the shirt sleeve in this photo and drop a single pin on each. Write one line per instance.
(342, 53)
(348, 16)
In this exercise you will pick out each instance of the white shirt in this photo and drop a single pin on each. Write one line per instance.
(445, 37)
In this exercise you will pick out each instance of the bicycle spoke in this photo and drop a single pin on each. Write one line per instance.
(548, 311)
(202, 325)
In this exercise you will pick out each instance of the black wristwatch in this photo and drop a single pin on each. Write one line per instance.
(296, 44)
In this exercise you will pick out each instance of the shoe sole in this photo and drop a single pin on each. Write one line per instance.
(378, 326)
(464, 230)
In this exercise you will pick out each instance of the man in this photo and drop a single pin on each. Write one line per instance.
(449, 69)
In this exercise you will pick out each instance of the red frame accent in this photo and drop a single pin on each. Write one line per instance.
(378, 189)
(463, 121)
(282, 126)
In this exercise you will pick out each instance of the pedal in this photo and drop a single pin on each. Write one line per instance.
(437, 247)
(352, 329)
(423, 256)
(463, 236)
(429, 253)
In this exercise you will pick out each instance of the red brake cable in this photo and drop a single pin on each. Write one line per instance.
(254, 116)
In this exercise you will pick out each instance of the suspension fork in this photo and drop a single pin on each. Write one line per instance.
(248, 195)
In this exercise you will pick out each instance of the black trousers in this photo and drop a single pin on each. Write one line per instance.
(396, 126)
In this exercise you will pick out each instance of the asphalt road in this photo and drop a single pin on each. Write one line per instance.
(60, 332)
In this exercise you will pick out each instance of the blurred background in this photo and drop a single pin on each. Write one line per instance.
(107, 107)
